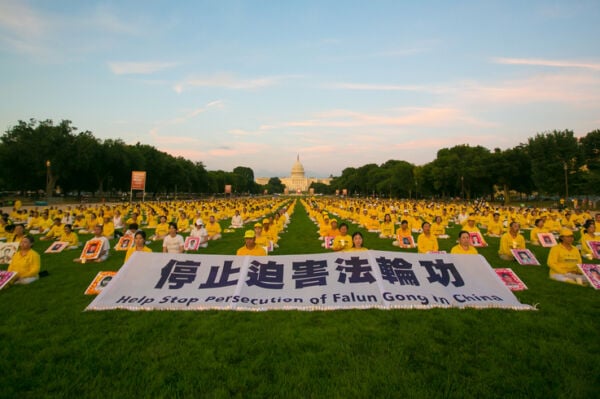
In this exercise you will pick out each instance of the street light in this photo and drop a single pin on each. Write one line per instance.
(566, 183)
(48, 164)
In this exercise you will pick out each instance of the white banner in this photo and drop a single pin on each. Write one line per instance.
(326, 281)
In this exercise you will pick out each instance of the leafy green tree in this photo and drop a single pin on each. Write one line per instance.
(274, 186)
(554, 160)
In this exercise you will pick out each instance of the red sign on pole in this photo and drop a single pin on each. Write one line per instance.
(138, 180)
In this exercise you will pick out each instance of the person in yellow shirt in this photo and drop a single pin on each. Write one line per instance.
(438, 228)
(250, 247)
(213, 228)
(162, 229)
(387, 228)
(55, 231)
(403, 232)
(563, 259)
(108, 228)
(537, 229)
(68, 235)
(183, 223)
(494, 227)
(427, 242)
(357, 242)
(343, 241)
(17, 234)
(588, 234)
(139, 245)
(464, 246)
(26, 262)
(511, 240)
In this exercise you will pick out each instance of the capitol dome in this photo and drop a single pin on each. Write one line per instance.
(298, 169)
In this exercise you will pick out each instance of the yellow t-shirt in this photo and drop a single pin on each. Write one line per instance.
(458, 250)
(25, 266)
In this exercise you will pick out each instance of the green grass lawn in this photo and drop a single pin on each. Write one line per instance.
(52, 348)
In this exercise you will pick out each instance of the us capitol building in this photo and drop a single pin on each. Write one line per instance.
(297, 181)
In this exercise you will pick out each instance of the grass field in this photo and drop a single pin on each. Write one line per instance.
(52, 348)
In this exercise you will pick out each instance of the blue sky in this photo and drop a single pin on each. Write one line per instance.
(342, 83)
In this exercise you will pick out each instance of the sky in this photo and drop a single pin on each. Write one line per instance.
(339, 83)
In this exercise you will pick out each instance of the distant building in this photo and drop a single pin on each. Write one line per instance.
(297, 181)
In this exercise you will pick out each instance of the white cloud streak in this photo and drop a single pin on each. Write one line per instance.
(229, 81)
(547, 63)
(139, 68)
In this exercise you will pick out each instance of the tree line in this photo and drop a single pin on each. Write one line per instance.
(36, 155)
(41, 154)
(552, 163)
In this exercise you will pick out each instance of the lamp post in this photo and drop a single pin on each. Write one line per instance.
(462, 186)
(566, 183)
(48, 164)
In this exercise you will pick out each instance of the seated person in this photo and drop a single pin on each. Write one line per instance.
(26, 262)
(213, 228)
(55, 230)
(387, 228)
(200, 232)
(494, 227)
(537, 229)
(237, 221)
(512, 239)
(464, 246)
(162, 229)
(173, 243)
(402, 232)
(68, 235)
(104, 250)
(250, 247)
(357, 242)
(427, 242)
(588, 234)
(139, 244)
(563, 259)
(343, 241)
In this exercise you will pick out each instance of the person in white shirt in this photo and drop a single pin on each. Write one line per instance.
(199, 231)
(173, 242)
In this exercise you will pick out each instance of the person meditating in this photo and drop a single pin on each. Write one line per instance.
(250, 247)
(26, 262)
(464, 246)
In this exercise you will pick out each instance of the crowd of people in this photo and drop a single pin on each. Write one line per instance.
(395, 220)
(399, 220)
(165, 222)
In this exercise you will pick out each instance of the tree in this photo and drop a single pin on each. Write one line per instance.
(590, 158)
(554, 160)
(275, 186)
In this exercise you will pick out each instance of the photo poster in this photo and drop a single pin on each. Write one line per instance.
(547, 240)
(125, 242)
(406, 242)
(7, 278)
(100, 281)
(56, 247)
(595, 247)
(91, 250)
(328, 242)
(591, 272)
(476, 239)
(191, 243)
(7, 250)
(525, 257)
(510, 279)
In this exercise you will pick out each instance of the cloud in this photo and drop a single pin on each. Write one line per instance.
(577, 88)
(432, 116)
(383, 87)
(229, 81)
(547, 63)
(139, 68)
